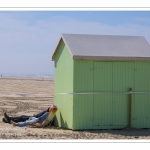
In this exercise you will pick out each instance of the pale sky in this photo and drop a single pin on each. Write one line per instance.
(28, 38)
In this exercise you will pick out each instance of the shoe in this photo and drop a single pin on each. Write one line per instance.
(4, 120)
(7, 118)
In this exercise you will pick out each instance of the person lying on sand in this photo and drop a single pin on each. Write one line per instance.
(21, 118)
(37, 121)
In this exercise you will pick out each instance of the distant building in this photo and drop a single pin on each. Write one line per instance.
(93, 75)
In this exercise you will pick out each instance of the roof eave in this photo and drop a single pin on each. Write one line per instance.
(77, 57)
(56, 49)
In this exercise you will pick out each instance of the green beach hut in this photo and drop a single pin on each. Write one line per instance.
(102, 82)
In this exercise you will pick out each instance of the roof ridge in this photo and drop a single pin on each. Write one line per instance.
(102, 35)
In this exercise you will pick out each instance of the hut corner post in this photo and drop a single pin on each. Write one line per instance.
(130, 107)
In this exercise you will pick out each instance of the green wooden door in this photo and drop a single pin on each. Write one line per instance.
(123, 80)
(141, 106)
(114, 78)
(102, 80)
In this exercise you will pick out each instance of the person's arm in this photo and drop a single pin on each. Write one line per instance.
(39, 124)
(45, 115)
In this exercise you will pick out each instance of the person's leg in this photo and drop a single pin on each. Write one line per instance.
(16, 119)
(22, 124)
(20, 118)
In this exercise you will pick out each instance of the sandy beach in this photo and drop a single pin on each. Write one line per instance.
(27, 96)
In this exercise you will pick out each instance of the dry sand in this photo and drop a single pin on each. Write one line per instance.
(30, 96)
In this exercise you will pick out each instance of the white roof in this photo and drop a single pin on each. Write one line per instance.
(106, 47)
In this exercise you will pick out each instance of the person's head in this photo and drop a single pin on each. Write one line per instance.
(53, 109)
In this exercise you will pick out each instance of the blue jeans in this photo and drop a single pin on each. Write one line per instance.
(33, 120)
